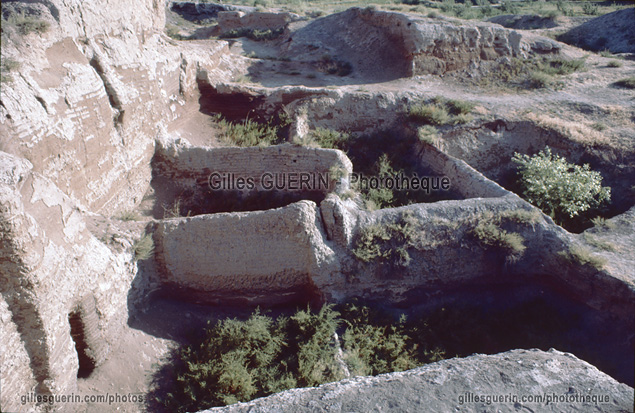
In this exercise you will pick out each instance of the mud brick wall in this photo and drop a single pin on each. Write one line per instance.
(250, 254)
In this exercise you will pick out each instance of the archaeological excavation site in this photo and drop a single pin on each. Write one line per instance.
(294, 206)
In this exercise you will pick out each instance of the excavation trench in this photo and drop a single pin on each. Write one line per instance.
(489, 148)
(457, 322)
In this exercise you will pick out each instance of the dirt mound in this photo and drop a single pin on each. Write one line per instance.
(395, 45)
(524, 21)
(613, 31)
(378, 54)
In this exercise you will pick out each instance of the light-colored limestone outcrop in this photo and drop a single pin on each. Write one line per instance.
(453, 385)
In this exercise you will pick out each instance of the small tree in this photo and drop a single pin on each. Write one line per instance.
(560, 189)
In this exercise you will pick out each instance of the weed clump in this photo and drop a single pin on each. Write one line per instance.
(441, 111)
(246, 133)
(533, 73)
(143, 248)
(374, 344)
(583, 256)
(324, 138)
(388, 243)
(237, 361)
(540, 80)
(241, 360)
(428, 134)
(392, 243)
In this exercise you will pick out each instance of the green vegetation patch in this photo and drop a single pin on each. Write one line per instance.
(388, 243)
(560, 189)
(239, 360)
(7, 66)
(488, 229)
(242, 360)
(392, 243)
(26, 24)
(381, 155)
(535, 73)
(247, 133)
(583, 256)
(441, 111)
(324, 138)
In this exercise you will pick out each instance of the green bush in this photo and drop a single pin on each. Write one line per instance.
(561, 66)
(603, 223)
(325, 138)
(431, 114)
(374, 344)
(509, 7)
(377, 198)
(615, 63)
(560, 189)
(540, 80)
(590, 9)
(487, 228)
(492, 235)
(241, 360)
(428, 134)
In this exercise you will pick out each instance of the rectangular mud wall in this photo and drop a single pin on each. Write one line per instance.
(464, 179)
(203, 180)
(249, 254)
(191, 165)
